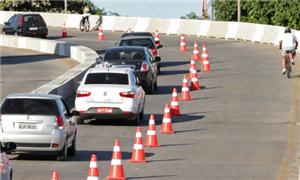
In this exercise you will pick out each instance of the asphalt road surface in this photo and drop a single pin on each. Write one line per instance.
(240, 126)
(24, 70)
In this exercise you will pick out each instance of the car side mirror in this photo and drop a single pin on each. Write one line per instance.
(160, 46)
(157, 59)
(6, 23)
(99, 60)
(8, 147)
(74, 113)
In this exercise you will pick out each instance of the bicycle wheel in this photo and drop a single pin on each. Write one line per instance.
(81, 26)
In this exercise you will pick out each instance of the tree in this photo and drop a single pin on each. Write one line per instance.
(191, 15)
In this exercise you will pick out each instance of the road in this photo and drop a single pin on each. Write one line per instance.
(240, 126)
(24, 70)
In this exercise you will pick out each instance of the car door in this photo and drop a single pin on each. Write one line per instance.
(139, 91)
(69, 121)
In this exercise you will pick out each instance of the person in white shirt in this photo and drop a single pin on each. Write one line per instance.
(288, 44)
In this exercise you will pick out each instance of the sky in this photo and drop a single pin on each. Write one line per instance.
(151, 8)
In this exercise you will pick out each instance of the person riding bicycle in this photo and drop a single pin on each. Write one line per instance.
(288, 44)
(86, 13)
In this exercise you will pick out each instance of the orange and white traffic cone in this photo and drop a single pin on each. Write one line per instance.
(185, 91)
(157, 38)
(166, 127)
(174, 109)
(183, 46)
(204, 55)
(138, 153)
(64, 33)
(116, 168)
(206, 66)
(151, 140)
(195, 85)
(101, 36)
(193, 67)
(55, 176)
(93, 169)
(196, 55)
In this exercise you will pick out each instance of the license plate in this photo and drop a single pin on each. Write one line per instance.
(104, 110)
(27, 126)
(33, 28)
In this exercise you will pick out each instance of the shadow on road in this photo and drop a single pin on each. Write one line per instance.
(173, 63)
(57, 37)
(172, 72)
(152, 177)
(167, 89)
(8, 60)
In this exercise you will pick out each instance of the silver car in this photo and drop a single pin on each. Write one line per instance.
(38, 123)
(6, 172)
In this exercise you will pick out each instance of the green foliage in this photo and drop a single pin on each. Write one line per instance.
(273, 12)
(191, 15)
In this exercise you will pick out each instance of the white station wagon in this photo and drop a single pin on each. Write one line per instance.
(110, 93)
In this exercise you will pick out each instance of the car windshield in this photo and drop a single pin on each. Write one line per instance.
(138, 42)
(119, 54)
(107, 78)
(29, 106)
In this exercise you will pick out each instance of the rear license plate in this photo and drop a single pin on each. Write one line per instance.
(27, 126)
(104, 110)
(33, 28)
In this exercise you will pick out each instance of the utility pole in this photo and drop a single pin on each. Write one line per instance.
(238, 10)
(66, 6)
(204, 10)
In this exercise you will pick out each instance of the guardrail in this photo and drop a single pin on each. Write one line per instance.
(218, 29)
(66, 84)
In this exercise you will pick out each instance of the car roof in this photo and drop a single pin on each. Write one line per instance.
(24, 14)
(137, 34)
(137, 37)
(32, 95)
(119, 70)
(127, 48)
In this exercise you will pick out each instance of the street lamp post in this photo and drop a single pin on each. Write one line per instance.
(238, 10)
(66, 6)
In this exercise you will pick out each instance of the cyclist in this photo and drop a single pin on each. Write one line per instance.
(86, 13)
(288, 44)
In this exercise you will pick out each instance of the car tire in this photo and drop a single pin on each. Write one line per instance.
(72, 149)
(155, 86)
(79, 120)
(63, 154)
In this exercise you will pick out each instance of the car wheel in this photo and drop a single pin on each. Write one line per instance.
(63, 154)
(155, 86)
(79, 120)
(72, 149)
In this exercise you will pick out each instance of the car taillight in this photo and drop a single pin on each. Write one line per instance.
(83, 93)
(128, 94)
(21, 21)
(144, 67)
(154, 51)
(59, 121)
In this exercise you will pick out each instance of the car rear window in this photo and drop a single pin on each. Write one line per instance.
(32, 20)
(29, 106)
(137, 34)
(107, 78)
(138, 42)
(119, 54)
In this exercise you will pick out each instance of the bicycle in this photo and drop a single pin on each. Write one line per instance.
(85, 23)
(98, 23)
(288, 67)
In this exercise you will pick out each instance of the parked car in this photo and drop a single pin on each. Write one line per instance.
(39, 123)
(32, 25)
(6, 172)
(140, 58)
(110, 93)
(144, 41)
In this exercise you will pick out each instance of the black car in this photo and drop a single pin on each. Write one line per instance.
(32, 25)
(139, 58)
(144, 41)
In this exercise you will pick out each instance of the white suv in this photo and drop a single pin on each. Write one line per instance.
(110, 93)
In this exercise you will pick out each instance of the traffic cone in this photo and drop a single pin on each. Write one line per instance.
(185, 92)
(206, 66)
(55, 175)
(64, 33)
(116, 168)
(183, 46)
(195, 85)
(193, 67)
(101, 36)
(138, 154)
(151, 140)
(157, 38)
(166, 127)
(204, 55)
(174, 109)
(93, 169)
(196, 55)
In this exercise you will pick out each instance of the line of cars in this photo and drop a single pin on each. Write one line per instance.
(114, 89)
